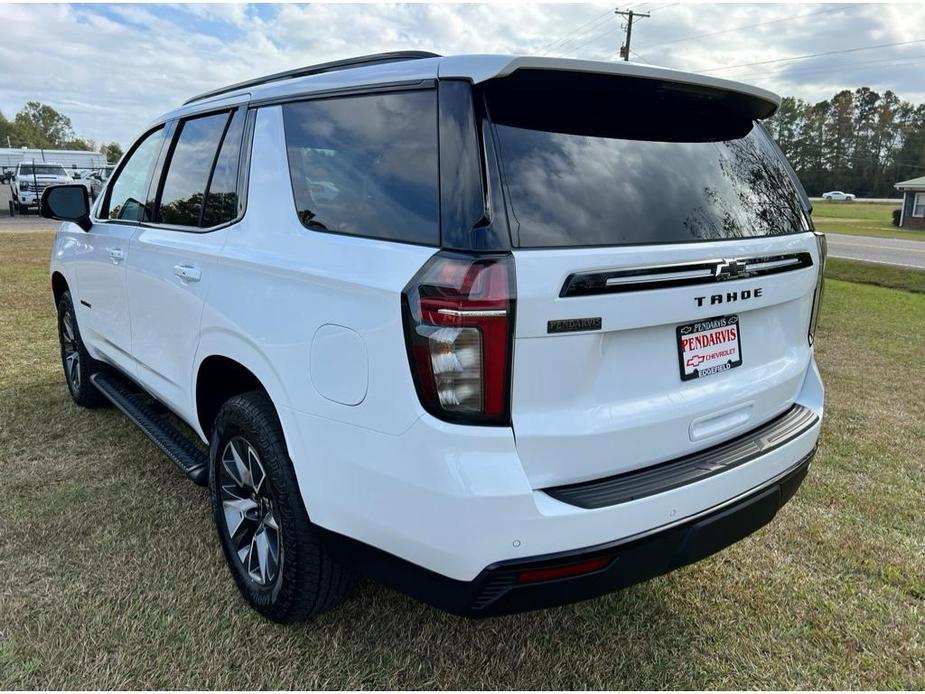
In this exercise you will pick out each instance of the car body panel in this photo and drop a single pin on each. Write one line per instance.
(371, 463)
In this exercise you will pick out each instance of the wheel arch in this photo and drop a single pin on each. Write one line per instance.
(227, 365)
(219, 378)
(59, 285)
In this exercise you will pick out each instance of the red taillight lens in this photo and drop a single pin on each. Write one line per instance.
(459, 318)
(565, 571)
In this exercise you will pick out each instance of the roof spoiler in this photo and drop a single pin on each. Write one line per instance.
(761, 103)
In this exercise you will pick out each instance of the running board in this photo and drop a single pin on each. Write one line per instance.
(192, 461)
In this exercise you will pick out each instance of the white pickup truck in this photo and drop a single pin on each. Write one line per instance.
(31, 178)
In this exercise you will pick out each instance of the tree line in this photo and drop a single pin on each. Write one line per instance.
(859, 141)
(40, 126)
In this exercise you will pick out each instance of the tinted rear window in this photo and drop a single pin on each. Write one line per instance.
(188, 170)
(366, 165)
(637, 168)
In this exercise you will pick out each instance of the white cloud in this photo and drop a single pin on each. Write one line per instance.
(114, 68)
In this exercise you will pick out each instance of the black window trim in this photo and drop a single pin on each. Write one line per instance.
(218, 151)
(103, 207)
(351, 90)
(371, 90)
(163, 166)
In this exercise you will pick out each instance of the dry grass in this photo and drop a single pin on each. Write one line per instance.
(110, 575)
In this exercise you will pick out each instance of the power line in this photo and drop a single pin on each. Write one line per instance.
(579, 27)
(608, 30)
(571, 43)
(814, 55)
(799, 71)
(738, 28)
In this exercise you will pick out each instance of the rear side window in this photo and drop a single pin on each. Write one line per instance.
(188, 170)
(130, 189)
(366, 165)
(222, 197)
(637, 168)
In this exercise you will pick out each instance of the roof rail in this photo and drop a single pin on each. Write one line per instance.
(361, 61)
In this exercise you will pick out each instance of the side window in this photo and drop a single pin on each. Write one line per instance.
(222, 196)
(188, 169)
(918, 205)
(366, 165)
(130, 189)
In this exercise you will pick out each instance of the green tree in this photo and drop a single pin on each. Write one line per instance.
(39, 125)
(7, 132)
(113, 152)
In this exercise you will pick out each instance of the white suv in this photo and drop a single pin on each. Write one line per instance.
(31, 178)
(500, 332)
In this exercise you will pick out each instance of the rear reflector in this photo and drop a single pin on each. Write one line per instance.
(552, 573)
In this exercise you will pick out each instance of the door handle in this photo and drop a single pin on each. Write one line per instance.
(189, 273)
(116, 254)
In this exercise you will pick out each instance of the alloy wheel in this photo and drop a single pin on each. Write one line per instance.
(71, 351)
(250, 515)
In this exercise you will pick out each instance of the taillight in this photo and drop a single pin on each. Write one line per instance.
(459, 318)
(820, 285)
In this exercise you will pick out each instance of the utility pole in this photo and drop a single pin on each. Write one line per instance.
(630, 15)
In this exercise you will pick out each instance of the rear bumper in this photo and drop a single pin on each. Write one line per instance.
(451, 500)
(500, 588)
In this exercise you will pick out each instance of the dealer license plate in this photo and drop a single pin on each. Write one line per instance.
(709, 347)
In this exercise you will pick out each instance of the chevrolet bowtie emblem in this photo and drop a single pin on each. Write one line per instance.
(730, 270)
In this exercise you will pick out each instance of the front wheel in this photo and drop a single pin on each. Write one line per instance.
(78, 364)
(274, 554)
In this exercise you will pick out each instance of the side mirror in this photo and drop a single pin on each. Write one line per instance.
(68, 203)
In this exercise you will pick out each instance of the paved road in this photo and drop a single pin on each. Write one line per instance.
(904, 252)
(29, 222)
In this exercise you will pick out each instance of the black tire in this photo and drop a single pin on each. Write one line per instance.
(78, 365)
(306, 580)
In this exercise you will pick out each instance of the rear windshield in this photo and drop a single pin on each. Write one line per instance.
(619, 169)
(41, 170)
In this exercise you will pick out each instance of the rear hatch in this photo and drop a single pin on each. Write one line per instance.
(665, 271)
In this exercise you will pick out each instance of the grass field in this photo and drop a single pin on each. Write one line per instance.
(861, 219)
(111, 577)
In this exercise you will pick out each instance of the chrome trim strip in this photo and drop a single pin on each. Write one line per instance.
(681, 274)
(474, 313)
(771, 264)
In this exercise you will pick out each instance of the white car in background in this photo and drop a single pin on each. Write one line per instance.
(93, 181)
(838, 195)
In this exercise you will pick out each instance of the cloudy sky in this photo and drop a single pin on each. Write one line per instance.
(114, 68)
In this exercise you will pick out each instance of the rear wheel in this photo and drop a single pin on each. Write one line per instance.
(272, 550)
(78, 364)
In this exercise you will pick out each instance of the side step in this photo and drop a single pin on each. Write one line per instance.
(192, 461)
